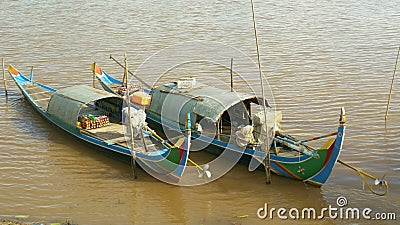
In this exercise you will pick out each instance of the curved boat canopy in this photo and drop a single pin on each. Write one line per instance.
(204, 101)
(67, 103)
(216, 101)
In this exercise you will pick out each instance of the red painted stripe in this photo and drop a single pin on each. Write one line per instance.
(13, 71)
(181, 151)
(98, 70)
(288, 171)
(330, 150)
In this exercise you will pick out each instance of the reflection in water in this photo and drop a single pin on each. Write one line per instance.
(318, 56)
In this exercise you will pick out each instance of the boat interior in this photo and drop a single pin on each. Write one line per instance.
(236, 118)
(112, 133)
(39, 95)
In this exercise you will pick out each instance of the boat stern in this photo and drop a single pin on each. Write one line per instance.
(333, 154)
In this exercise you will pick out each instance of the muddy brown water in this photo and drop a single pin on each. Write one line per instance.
(318, 56)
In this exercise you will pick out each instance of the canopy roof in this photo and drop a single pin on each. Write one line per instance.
(206, 101)
(216, 101)
(66, 103)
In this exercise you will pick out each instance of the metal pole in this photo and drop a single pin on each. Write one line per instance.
(4, 77)
(267, 160)
(391, 87)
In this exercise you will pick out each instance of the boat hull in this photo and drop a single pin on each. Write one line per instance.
(304, 168)
(168, 162)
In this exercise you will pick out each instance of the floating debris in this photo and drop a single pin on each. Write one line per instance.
(242, 216)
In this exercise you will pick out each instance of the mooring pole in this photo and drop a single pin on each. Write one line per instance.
(94, 75)
(128, 100)
(232, 74)
(267, 159)
(391, 86)
(125, 77)
(4, 76)
(31, 74)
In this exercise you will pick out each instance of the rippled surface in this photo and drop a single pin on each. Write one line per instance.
(318, 56)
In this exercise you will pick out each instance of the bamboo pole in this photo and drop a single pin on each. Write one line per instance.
(125, 77)
(361, 173)
(133, 153)
(267, 161)
(31, 74)
(94, 75)
(232, 74)
(391, 86)
(138, 78)
(4, 76)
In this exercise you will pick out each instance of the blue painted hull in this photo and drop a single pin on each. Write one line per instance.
(149, 162)
(281, 165)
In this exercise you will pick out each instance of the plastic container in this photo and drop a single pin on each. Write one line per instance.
(141, 98)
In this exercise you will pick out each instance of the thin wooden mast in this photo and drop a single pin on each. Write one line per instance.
(391, 87)
(128, 100)
(267, 146)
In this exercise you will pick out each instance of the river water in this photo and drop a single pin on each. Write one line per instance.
(318, 56)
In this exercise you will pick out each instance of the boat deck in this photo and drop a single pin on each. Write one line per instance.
(114, 87)
(114, 134)
(39, 95)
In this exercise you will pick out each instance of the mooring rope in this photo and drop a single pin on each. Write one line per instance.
(360, 172)
(362, 175)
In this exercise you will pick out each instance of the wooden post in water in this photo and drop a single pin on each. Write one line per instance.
(266, 161)
(232, 74)
(31, 74)
(4, 77)
(125, 78)
(94, 74)
(391, 86)
(128, 100)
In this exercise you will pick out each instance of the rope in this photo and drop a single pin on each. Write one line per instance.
(362, 175)
(360, 172)
(316, 138)
(170, 145)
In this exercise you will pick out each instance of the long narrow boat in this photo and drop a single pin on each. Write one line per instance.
(108, 82)
(94, 116)
(219, 114)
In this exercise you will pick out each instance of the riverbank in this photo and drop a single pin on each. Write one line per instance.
(15, 222)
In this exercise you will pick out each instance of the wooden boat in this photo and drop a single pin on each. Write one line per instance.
(108, 82)
(103, 129)
(289, 156)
